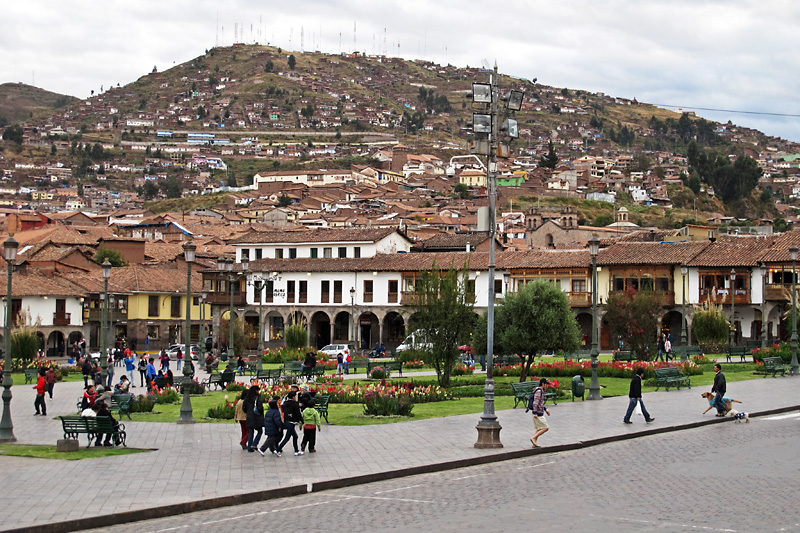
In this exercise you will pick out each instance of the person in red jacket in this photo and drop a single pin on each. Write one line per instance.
(41, 388)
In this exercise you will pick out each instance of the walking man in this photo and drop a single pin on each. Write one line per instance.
(635, 396)
(720, 387)
(536, 404)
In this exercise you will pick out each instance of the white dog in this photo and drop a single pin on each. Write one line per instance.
(738, 417)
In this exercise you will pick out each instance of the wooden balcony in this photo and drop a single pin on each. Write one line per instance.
(722, 296)
(779, 292)
(61, 319)
(224, 298)
(580, 299)
(114, 315)
(667, 297)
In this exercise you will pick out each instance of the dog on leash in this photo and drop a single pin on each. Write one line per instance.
(738, 417)
(709, 396)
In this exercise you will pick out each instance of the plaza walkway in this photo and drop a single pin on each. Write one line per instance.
(199, 462)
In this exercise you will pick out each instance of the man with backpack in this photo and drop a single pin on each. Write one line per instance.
(536, 404)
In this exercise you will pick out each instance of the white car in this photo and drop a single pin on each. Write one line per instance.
(418, 340)
(333, 350)
(172, 351)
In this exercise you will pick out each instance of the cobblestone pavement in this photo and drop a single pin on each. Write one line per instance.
(202, 461)
(665, 482)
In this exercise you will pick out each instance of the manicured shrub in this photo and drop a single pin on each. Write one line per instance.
(377, 404)
(379, 373)
(142, 404)
(224, 411)
(296, 336)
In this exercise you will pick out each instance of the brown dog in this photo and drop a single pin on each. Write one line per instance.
(709, 396)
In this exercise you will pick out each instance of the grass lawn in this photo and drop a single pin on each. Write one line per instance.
(49, 452)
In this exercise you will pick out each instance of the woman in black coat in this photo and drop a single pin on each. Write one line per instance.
(292, 417)
(254, 409)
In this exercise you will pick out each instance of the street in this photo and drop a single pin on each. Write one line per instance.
(724, 477)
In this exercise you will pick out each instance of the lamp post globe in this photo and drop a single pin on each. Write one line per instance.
(594, 385)
(186, 416)
(10, 247)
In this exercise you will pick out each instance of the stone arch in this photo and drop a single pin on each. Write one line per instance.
(55, 344)
(584, 319)
(320, 329)
(369, 330)
(342, 324)
(672, 324)
(393, 330)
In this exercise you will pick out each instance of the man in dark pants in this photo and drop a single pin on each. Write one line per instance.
(720, 387)
(635, 396)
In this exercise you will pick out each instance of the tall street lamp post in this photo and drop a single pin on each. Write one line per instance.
(203, 298)
(594, 386)
(793, 254)
(104, 325)
(353, 314)
(685, 320)
(733, 308)
(485, 125)
(6, 425)
(186, 417)
(763, 306)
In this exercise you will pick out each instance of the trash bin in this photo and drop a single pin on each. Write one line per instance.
(578, 387)
(223, 356)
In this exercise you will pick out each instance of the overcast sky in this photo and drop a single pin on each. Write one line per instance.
(737, 55)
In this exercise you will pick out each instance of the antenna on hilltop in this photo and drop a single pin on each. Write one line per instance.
(216, 40)
(354, 36)
(302, 39)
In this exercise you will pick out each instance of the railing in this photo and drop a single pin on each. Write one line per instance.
(580, 299)
(224, 298)
(722, 296)
(115, 315)
(61, 319)
(779, 291)
(667, 297)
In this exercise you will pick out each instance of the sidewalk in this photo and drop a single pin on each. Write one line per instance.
(203, 461)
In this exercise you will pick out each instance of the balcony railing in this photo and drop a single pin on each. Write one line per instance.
(667, 297)
(224, 298)
(779, 291)
(115, 315)
(722, 296)
(61, 319)
(580, 299)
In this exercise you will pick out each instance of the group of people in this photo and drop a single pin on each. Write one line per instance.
(664, 344)
(279, 422)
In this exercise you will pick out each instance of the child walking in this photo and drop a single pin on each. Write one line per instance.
(311, 424)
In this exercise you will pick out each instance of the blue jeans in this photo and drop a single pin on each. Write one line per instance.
(291, 432)
(253, 436)
(632, 406)
(718, 403)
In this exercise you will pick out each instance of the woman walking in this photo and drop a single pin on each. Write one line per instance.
(240, 417)
(254, 410)
(291, 418)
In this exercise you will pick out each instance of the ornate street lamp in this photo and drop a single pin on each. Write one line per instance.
(733, 307)
(793, 254)
(6, 425)
(594, 386)
(353, 313)
(763, 306)
(685, 322)
(104, 325)
(186, 417)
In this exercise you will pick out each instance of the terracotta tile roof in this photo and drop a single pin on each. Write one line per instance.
(63, 235)
(34, 283)
(155, 279)
(733, 251)
(778, 252)
(453, 240)
(316, 235)
(650, 253)
(545, 259)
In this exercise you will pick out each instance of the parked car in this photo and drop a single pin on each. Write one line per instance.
(172, 351)
(418, 340)
(333, 350)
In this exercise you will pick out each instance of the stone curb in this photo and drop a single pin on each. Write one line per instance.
(296, 490)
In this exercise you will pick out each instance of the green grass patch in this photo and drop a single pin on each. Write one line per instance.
(49, 452)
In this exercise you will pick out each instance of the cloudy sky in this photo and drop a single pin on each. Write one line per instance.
(729, 55)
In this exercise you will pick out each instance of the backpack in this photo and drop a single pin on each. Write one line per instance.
(530, 399)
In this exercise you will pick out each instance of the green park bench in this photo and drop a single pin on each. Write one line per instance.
(577, 356)
(522, 391)
(121, 403)
(738, 351)
(92, 426)
(389, 366)
(623, 355)
(356, 363)
(321, 405)
(773, 365)
(213, 379)
(670, 376)
(691, 350)
(30, 374)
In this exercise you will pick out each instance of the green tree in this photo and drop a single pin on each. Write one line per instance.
(269, 66)
(149, 189)
(602, 220)
(535, 320)
(284, 200)
(112, 256)
(443, 308)
(461, 190)
(551, 159)
(711, 328)
(52, 149)
(296, 336)
(171, 187)
(13, 134)
(633, 316)
(292, 62)
(780, 225)
(24, 343)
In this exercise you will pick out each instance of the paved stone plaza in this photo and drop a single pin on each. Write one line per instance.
(203, 461)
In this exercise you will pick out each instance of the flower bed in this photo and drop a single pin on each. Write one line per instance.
(463, 370)
(378, 403)
(379, 373)
(414, 363)
(224, 411)
(354, 392)
(782, 350)
(615, 369)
